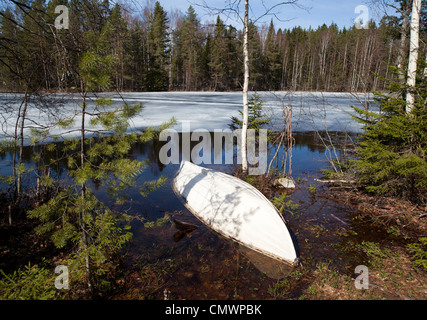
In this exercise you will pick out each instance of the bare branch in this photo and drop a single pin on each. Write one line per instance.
(269, 11)
(233, 7)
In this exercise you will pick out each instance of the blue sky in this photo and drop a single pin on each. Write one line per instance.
(318, 11)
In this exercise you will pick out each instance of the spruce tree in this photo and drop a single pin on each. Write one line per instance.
(256, 117)
(218, 61)
(392, 151)
(206, 62)
(189, 50)
(273, 60)
(256, 65)
(157, 77)
(234, 53)
(135, 53)
(119, 36)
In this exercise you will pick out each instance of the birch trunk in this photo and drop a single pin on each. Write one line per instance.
(245, 88)
(413, 55)
(388, 63)
(21, 144)
(403, 39)
(20, 123)
(354, 76)
(83, 197)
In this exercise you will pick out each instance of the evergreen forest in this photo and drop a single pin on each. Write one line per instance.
(158, 50)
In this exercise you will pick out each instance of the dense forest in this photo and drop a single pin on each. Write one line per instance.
(175, 51)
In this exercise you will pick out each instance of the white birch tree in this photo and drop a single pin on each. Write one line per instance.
(233, 7)
(413, 55)
(245, 88)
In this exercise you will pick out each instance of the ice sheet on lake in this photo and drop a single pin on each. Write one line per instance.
(205, 110)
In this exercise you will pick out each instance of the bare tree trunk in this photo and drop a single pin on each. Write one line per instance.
(282, 82)
(377, 71)
(425, 69)
(245, 88)
(403, 39)
(83, 196)
(354, 76)
(388, 62)
(344, 64)
(15, 171)
(9, 207)
(21, 142)
(295, 69)
(413, 55)
(20, 123)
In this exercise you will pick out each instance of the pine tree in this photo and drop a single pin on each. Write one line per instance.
(75, 218)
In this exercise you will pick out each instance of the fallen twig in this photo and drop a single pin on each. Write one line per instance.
(335, 217)
(335, 181)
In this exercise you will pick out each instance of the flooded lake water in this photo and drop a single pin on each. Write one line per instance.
(202, 264)
(164, 262)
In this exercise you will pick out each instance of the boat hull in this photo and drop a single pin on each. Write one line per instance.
(235, 209)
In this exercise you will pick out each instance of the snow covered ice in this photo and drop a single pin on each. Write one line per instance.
(206, 110)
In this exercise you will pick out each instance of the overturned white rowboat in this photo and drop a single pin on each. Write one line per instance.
(235, 209)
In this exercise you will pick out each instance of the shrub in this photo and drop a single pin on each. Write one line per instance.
(256, 118)
(30, 283)
(419, 253)
(392, 151)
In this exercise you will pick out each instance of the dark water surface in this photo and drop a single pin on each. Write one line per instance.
(164, 260)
